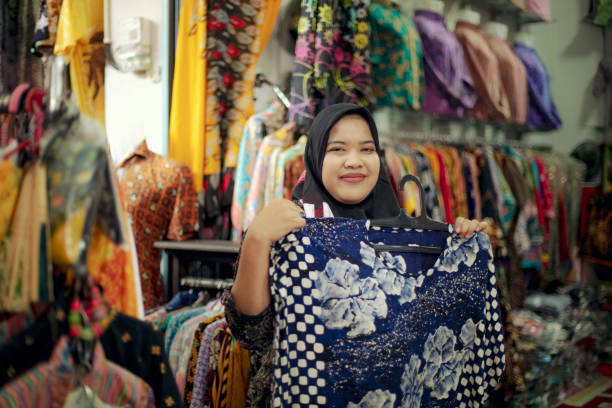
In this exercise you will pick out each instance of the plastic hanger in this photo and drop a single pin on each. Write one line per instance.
(403, 220)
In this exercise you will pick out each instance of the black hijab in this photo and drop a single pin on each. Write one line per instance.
(381, 202)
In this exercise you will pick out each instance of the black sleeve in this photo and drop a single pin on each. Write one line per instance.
(138, 347)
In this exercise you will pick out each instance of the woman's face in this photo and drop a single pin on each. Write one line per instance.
(351, 163)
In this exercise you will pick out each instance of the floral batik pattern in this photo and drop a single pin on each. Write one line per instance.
(358, 326)
(332, 61)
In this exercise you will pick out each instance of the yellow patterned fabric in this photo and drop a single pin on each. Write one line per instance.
(80, 36)
(187, 116)
(213, 80)
(9, 188)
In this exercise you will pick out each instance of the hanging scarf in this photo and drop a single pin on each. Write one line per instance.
(381, 202)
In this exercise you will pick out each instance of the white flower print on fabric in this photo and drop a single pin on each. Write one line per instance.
(408, 291)
(468, 334)
(375, 399)
(443, 364)
(388, 271)
(461, 251)
(347, 301)
(412, 383)
(384, 260)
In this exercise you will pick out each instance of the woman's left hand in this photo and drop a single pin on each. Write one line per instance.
(466, 228)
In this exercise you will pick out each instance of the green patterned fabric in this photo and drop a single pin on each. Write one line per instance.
(397, 59)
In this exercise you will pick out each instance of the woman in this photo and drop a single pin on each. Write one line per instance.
(344, 178)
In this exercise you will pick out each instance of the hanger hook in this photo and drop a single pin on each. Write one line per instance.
(415, 179)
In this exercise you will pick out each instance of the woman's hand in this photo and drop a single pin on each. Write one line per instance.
(251, 291)
(466, 228)
(280, 217)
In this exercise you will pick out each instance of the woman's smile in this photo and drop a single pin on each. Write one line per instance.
(353, 177)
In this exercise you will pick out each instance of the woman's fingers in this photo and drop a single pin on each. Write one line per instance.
(465, 228)
(459, 225)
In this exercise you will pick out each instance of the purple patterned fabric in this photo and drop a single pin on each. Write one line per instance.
(200, 379)
(448, 85)
(542, 112)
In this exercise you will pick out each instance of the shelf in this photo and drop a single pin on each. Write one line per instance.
(506, 9)
(205, 245)
(463, 122)
(208, 283)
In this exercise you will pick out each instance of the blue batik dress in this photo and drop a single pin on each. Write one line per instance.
(359, 326)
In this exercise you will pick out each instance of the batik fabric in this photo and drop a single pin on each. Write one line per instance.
(359, 326)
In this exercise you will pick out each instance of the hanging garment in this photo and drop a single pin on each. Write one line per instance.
(294, 169)
(186, 342)
(11, 176)
(396, 59)
(276, 142)
(86, 217)
(542, 113)
(212, 94)
(597, 245)
(331, 58)
(297, 150)
(80, 38)
(211, 395)
(514, 78)
(229, 387)
(458, 187)
(162, 204)
(471, 183)
(46, 27)
(186, 142)
(17, 64)
(357, 327)
(175, 322)
(256, 127)
(215, 205)
(492, 101)
(197, 375)
(53, 382)
(128, 342)
(427, 174)
(236, 35)
(25, 267)
(449, 89)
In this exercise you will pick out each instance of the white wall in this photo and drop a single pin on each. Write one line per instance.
(571, 50)
(134, 105)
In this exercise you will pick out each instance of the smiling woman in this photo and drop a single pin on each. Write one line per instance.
(344, 176)
(351, 164)
(344, 182)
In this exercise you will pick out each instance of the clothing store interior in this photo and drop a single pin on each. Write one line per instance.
(140, 140)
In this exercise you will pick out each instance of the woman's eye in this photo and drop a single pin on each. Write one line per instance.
(334, 149)
(368, 149)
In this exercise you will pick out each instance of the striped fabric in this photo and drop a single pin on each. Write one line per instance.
(48, 384)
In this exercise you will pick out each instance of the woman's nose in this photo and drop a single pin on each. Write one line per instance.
(353, 160)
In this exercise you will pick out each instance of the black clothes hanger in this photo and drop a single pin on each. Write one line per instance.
(403, 220)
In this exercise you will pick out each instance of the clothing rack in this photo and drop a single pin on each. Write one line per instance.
(261, 79)
(207, 283)
(423, 137)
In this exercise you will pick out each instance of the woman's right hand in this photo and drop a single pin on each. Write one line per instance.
(276, 220)
(251, 291)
